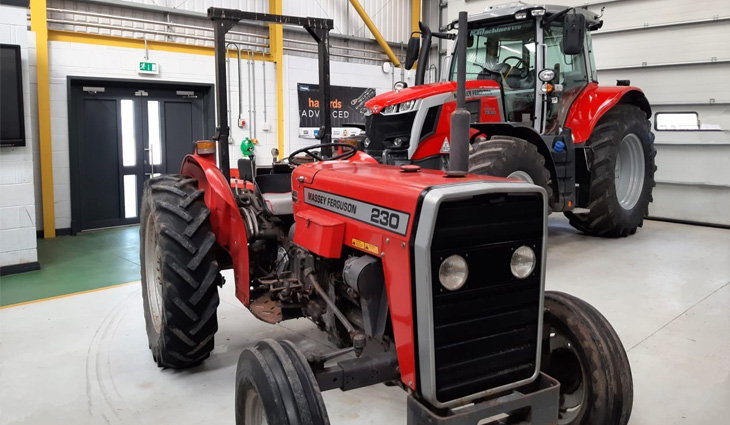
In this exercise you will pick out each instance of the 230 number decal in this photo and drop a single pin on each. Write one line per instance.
(385, 218)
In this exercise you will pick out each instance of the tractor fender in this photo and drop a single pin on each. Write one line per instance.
(594, 101)
(227, 223)
(527, 134)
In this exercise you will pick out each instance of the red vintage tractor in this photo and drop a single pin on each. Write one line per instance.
(427, 280)
(537, 114)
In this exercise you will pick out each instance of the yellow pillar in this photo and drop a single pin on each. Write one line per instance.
(374, 30)
(415, 15)
(276, 47)
(40, 26)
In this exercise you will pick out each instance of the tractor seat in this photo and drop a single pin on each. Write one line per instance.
(276, 192)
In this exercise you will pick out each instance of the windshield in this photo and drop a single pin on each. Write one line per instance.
(493, 50)
(505, 53)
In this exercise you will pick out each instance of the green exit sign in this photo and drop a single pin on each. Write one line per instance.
(146, 67)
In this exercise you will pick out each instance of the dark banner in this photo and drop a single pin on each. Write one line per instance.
(348, 105)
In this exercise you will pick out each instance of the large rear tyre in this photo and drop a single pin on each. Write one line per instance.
(503, 156)
(179, 272)
(276, 386)
(586, 356)
(621, 160)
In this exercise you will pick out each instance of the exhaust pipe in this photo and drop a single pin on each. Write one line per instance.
(459, 153)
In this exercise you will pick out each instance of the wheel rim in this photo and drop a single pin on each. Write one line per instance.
(521, 175)
(629, 171)
(153, 269)
(254, 413)
(565, 366)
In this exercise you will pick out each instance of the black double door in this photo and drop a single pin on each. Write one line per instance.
(122, 136)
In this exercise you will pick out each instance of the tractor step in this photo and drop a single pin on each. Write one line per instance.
(580, 210)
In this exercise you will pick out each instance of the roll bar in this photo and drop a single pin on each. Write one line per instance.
(223, 21)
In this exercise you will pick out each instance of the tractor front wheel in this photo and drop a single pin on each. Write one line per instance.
(582, 351)
(276, 386)
(179, 271)
(510, 157)
(621, 160)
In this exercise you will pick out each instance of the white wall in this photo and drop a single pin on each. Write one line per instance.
(17, 198)
(304, 70)
(88, 60)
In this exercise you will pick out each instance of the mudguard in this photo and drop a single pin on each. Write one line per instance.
(228, 226)
(594, 101)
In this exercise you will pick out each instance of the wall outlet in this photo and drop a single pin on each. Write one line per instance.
(266, 126)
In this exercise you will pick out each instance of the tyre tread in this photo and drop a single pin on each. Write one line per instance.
(189, 271)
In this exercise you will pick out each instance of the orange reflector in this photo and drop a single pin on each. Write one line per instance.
(205, 147)
(570, 204)
(549, 88)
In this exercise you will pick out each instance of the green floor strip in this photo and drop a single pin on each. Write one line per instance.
(72, 264)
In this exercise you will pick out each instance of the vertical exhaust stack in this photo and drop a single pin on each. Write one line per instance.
(459, 155)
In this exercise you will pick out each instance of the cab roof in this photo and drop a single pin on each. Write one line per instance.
(509, 9)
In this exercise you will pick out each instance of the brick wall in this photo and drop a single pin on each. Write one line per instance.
(17, 193)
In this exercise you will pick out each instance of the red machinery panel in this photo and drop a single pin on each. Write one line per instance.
(321, 234)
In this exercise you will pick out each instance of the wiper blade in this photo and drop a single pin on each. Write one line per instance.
(560, 14)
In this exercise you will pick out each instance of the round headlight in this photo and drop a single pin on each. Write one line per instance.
(546, 75)
(400, 85)
(523, 262)
(453, 272)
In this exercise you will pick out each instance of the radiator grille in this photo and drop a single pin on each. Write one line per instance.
(485, 334)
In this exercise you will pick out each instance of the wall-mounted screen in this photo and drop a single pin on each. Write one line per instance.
(12, 120)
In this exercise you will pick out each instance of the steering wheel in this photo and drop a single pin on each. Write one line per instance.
(521, 65)
(348, 152)
(484, 68)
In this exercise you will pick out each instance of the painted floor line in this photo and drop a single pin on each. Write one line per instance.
(67, 295)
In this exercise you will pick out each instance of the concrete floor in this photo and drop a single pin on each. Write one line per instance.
(84, 359)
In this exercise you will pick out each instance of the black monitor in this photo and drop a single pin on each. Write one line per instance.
(12, 115)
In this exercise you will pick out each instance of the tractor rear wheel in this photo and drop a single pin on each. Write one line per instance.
(179, 271)
(276, 386)
(503, 156)
(583, 352)
(621, 160)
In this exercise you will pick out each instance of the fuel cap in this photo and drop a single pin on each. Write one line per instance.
(410, 168)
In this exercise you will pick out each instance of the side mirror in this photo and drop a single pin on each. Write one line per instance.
(414, 45)
(574, 33)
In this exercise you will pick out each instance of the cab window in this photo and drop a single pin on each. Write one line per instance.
(571, 75)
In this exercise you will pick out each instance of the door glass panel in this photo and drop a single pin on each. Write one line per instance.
(129, 150)
(130, 196)
(570, 72)
(153, 120)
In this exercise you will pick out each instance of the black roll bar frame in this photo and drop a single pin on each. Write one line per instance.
(223, 21)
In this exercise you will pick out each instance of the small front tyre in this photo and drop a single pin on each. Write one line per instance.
(276, 386)
(510, 157)
(583, 352)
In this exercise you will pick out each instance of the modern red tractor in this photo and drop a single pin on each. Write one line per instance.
(537, 114)
(428, 280)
